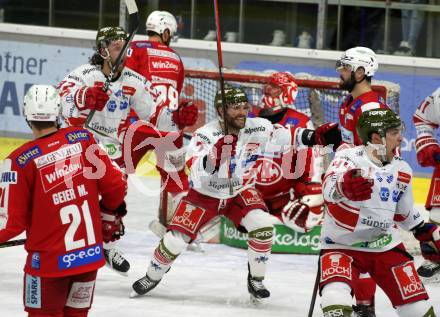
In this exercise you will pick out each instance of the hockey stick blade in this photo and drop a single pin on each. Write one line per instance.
(12, 243)
(133, 25)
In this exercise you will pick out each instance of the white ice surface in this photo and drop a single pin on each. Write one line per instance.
(212, 283)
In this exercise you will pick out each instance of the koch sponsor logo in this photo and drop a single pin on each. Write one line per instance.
(81, 257)
(58, 155)
(28, 155)
(335, 265)
(165, 65)
(408, 280)
(188, 217)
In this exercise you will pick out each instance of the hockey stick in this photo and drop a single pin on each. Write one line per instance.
(222, 80)
(133, 18)
(315, 287)
(12, 243)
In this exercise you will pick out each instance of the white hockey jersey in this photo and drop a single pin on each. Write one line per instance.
(257, 137)
(130, 90)
(368, 225)
(427, 120)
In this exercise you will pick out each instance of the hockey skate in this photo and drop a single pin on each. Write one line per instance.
(116, 261)
(364, 311)
(429, 272)
(143, 285)
(258, 292)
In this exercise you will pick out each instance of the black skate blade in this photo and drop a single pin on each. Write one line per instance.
(124, 274)
(258, 301)
(431, 279)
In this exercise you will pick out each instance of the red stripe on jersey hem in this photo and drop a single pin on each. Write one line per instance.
(345, 217)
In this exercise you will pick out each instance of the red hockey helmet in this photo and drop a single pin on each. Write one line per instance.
(280, 92)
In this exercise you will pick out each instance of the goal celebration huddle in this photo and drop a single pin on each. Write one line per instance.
(66, 189)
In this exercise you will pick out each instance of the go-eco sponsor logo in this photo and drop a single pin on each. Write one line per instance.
(80, 257)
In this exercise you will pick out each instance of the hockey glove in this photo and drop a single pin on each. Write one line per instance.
(429, 155)
(186, 114)
(354, 186)
(92, 98)
(328, 134)
(301, 217)
(223, 150)
(112, 226)
(429, 236)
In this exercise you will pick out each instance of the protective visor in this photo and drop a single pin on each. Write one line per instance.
(341, 65)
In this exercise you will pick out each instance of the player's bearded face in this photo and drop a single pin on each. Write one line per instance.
(348, 80)
(236, 115)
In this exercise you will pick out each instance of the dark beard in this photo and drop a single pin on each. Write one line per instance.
(348, 84)
(231, 123)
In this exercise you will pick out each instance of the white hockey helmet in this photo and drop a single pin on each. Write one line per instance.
(41, 103)
(359, 57)
(159, 21)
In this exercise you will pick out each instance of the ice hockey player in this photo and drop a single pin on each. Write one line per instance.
(356, 68)
(367, 189)
(159, 63)
(50, 187)
(218, 164)
(294, 195)
(81, 91)
(427, 119)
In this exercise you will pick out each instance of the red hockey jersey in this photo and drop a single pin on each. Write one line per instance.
(50, 188)
(162, 66)
(351, 110)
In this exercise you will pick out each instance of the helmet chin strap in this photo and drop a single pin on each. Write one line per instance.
(107, 57)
